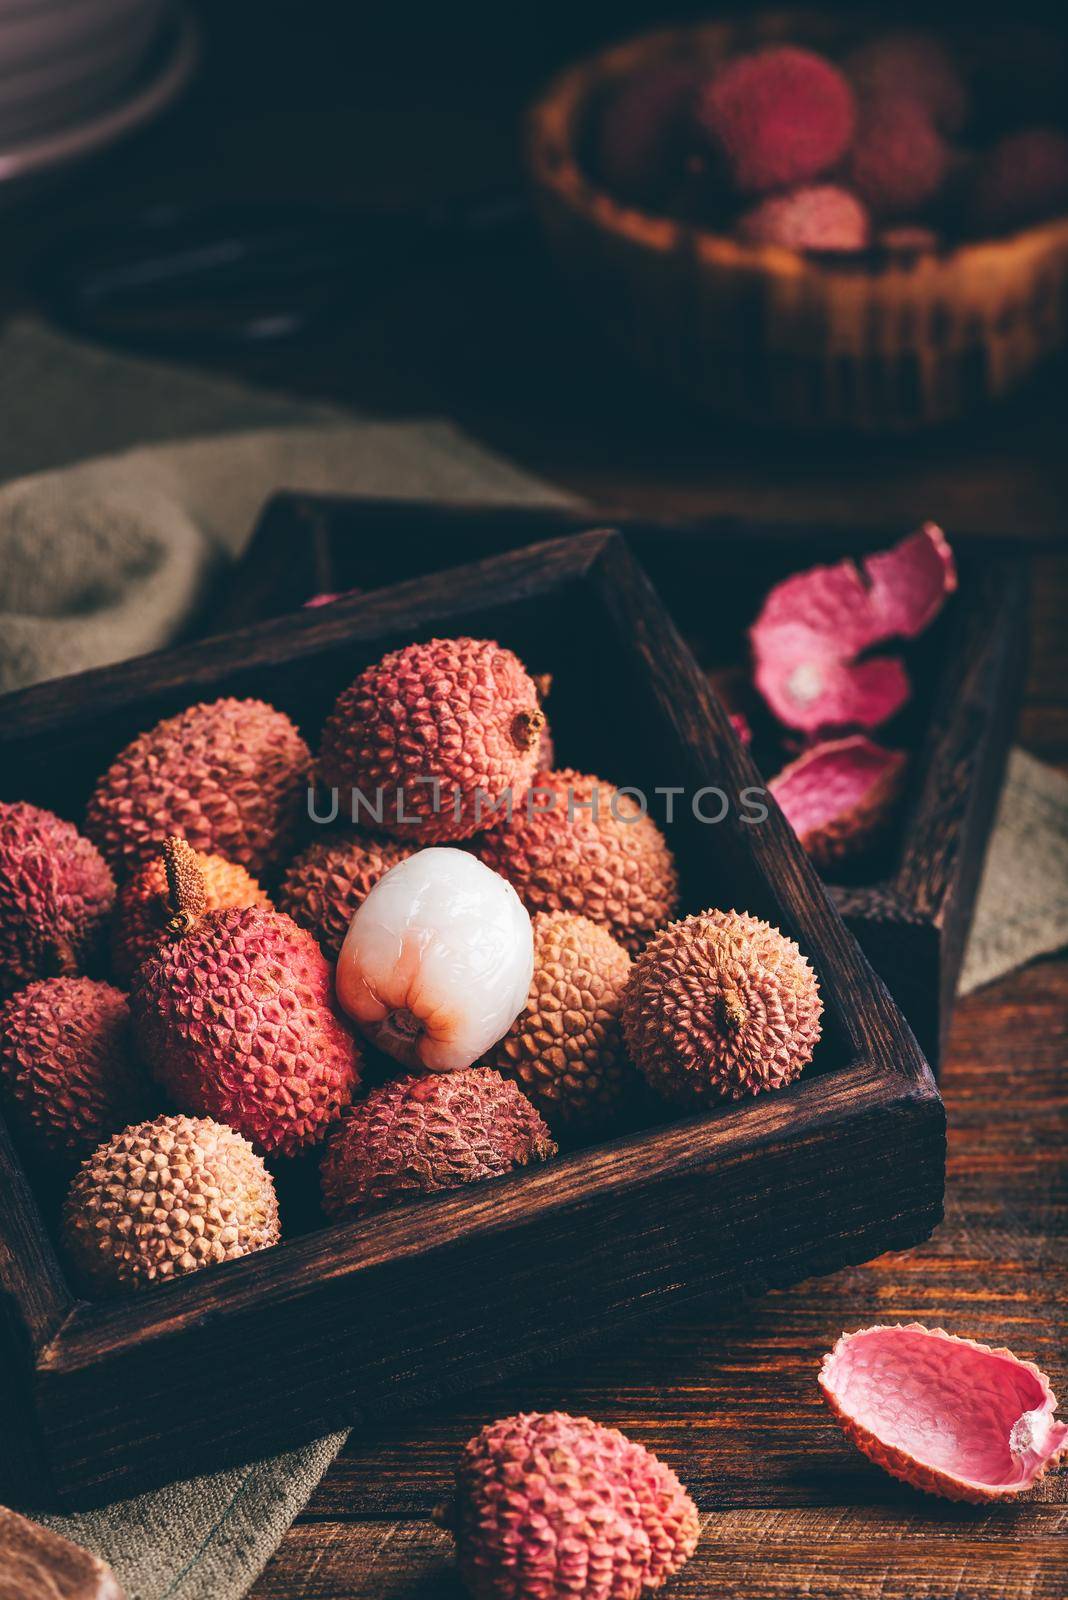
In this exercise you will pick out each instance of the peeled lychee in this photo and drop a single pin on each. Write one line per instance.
(839, 795)
(56, 893)
(324, 886)
(565, 1048)
(899, 160)
(910, 63)
(1023, 179)
(142, 907)
(437, 960)
(420, 1135)
(947, 1415)
(555, 1507)
(578, 844)
(433, 738)
(66, 1063)
(228, 776)
(817, 217)
(166, 1198)
(236, 1018)
(777, 117)
(719, 1006)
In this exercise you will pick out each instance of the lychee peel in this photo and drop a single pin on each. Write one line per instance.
(328, 882)
(236, 1017)
(437, 961)
(839, 795)
(434, 738)
(814, 626)
(424, 1134)
(899, 160)
(947, 1415)
(141, 907)
(164, 1199)
(814, 217)
(579, 844)
(56, 893)
(228, 776)
(565, 1048)
(719, 1006)
(553, 1507)
(66, 1063)
(777, 117)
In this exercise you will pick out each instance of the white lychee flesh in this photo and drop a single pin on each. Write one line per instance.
(437, 962)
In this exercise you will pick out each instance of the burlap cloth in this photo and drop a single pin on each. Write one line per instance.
(102, 558)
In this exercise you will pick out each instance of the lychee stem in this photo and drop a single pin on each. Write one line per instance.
(733, 1010)
(526, 728)
(186, 894)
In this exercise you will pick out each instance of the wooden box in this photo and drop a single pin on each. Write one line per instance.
(911, 903)
(344, 1322)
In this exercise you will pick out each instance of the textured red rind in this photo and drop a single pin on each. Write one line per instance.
(325, 885)
(814, 625)
(614, 866)
(554, 1507)
(228, 776)
(421, 1135)
(839, 795)
(437, 734)
(899, 160)
(237, 1020)
(56, 893)
(137, 928)
(932, 1414)
(819, 216)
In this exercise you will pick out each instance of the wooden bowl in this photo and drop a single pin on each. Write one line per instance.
(872, 344)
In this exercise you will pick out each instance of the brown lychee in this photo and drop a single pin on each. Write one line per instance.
(433, 738)
(420, 1135)
(229, 776)
(166, 1198)
(142, 908)
(719, 1006)
(324, 886)
(579, 844)
(67, 1065)
(56, 893)
(236, 1017)
(565, 1048)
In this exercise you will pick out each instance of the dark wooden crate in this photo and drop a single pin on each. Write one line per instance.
(345, 1322)
(910, 904)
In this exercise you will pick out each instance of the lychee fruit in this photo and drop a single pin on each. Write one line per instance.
(1022, 179)
(579, 844)
(235, 1016)
(565, 1048)
(419, 1135)
(437, 960)
(324, 886)
(816, 217)
(166, 1198)
(552, 1507)
(899, 160)
(229, 776)
(947, 1415)
(720, 1006)
(839, 795)
(912, 64)
(433, 738)
(142, 908)
(56, 893)
(645, 130)
(777, 117)
(66, 1063)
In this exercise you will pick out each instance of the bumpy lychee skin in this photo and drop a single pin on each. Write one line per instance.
(324, 887)
(420, 1135)
(141, 908)
(56, 893)
(66, 1063)
(1023, 179)
(819, 216)
(236, 1018)
(553, 1507)
(166, 1198)
(579, 844)
(720, 1006)
(229, 776)
(899, 160)
(440, 733)
(777, 117)
(565, 1048)
(910, 63)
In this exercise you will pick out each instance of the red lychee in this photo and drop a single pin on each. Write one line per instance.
(899, 160)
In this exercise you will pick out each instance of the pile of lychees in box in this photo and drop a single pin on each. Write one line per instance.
(781, 145)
